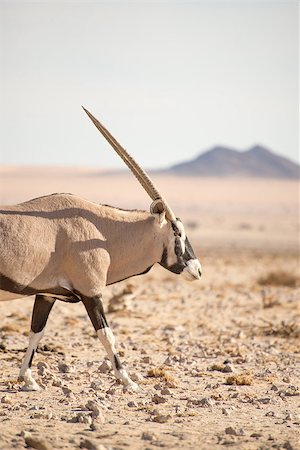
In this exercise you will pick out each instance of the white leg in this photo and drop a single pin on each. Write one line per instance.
(108, 341)
(25, 372)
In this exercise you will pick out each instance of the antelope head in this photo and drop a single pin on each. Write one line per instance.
(178, 255)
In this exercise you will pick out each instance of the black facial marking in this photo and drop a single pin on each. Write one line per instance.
(164, 257)
(178, 247)
(182, 258)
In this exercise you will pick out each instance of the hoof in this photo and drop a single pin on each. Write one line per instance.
(33, 386)
(132, 387)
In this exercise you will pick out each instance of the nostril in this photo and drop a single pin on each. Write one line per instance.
(199, 271)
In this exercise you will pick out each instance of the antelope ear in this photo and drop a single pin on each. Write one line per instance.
(157, 208)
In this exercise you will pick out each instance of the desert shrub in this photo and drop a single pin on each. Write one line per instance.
(282, 329)
(278, 278)
(245, 379)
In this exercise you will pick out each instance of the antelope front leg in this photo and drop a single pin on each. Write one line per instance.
(95, 311)
(41, 310)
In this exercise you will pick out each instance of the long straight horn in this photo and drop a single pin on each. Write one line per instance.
(139, 173)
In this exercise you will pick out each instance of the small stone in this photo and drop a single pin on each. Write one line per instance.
(136, 377)
(7, 400)
(146, 436)
(204, 402)
(160, 418)
(35, 442)
(56, 382)
(132, 404)
(165, 391)
(146, 359)
(105, 367)
(67, 392)
(64, 368)
(89, 444)
(230, 430)
(291, 391)
(43, 365)
(82, 418)
(225, 412)
(228, 368)
(96, 411)
(158, 399)
(256, 435)
(264, 400)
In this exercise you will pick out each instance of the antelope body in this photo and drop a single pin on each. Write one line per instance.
(61, 247)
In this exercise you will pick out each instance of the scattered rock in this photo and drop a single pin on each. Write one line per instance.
(226, 412)
(165, 391)
(291, 391)
(132, 404)
(42, 364)
(57, 382)
(67, 391)
(226, 367)
(81, 418)
(230, 430)
(35, 442)
(233, 432)
(160, 418)
(90, 444)
(105, 367)
(7, 400)
(146, 436)
(64, 368)
(96, 411)
(158, 399)
(205, 402)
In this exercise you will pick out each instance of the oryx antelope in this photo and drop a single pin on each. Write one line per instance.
(60, 247)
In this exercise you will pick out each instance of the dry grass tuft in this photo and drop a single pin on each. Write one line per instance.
(240, 380)
(218, 367)
(10, 328)
(161, 372)
(279, 278)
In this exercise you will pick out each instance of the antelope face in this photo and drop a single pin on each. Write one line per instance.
(178, 255)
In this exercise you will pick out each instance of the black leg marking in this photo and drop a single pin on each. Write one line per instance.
(117, 362)
(41, 311)
(95, 311)
(31, 358)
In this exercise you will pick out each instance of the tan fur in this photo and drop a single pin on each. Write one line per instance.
(63, 240)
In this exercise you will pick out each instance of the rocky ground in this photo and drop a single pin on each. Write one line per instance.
(218, 362)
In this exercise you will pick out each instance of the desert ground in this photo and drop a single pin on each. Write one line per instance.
(217, 359)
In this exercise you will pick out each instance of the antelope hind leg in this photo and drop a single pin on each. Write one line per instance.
(95, 311)
(41, 310)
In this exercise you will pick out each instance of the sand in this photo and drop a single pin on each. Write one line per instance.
(218, 360)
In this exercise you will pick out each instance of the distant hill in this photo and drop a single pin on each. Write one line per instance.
(222, 161)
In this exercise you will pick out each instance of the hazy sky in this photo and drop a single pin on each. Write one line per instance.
(169, 79)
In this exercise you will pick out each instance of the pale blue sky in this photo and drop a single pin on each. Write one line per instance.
(168, 79)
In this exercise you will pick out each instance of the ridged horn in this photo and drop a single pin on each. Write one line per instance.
(138, 172)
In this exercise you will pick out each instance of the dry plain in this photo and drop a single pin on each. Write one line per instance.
(218, 360)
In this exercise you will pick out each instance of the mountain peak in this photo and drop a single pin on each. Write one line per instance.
(258, 161)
